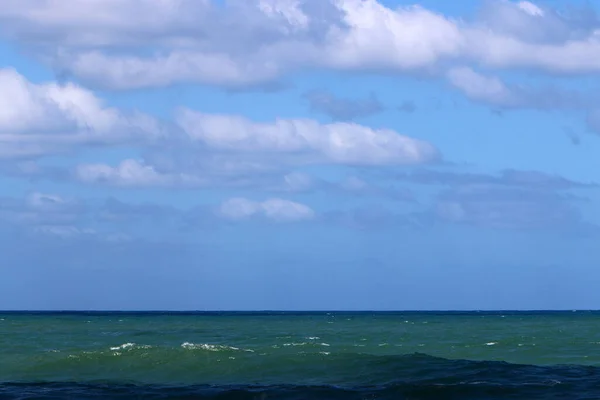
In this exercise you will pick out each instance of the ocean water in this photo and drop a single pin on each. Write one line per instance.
(404, 355)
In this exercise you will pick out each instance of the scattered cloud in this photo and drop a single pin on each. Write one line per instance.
(63, 231)
(510, 177)
(370, 217)
(306, 140)
(495, 93)
(508, 208)
(343, 109)
(114, 210)
(408, 106)
(573, 136)
(40, 209)
(274, 209)
(593, 120)
(132, 173)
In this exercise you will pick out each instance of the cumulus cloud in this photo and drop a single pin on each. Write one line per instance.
(275, 209)
(342, 143)
(193, 41)
(38, 119)
(342, 109)
(221, 150)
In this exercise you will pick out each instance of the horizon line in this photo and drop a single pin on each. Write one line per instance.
(291, 310)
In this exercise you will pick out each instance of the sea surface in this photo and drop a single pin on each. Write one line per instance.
(259, 356)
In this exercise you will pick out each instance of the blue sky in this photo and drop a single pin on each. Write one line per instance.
(299, 154)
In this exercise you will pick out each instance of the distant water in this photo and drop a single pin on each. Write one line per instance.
(500, 355)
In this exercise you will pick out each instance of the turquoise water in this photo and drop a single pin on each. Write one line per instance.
(301, 355)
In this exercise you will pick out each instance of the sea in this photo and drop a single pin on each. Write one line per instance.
(300, 355)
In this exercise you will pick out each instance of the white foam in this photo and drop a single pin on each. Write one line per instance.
(325, 344)
(325, 353)
(313, 338)
(491, 343)
(130, 346)
(212, 347)
(295, 344)
(123, 346)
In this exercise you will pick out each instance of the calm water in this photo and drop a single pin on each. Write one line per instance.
(500, 355)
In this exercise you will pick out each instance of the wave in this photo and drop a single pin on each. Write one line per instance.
(152, 372)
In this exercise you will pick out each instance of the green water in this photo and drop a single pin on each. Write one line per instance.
(231, 348)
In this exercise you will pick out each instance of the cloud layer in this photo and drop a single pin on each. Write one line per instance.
(192, 41)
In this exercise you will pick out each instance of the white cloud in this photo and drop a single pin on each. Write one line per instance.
(344, 143)
(193, 41)
(131, 173)
(479, 87)
(530, 8)
(275, 209)
(36, 119)
(63, 231)
(298, 182)
(494, 92)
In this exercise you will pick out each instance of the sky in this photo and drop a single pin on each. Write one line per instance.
(299, 154)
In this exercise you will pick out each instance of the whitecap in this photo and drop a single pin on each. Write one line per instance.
(325, 344)
(123, 346)
(491, 343)
(313, 338)
(212, 347)
(131, 346)
(325, 353)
